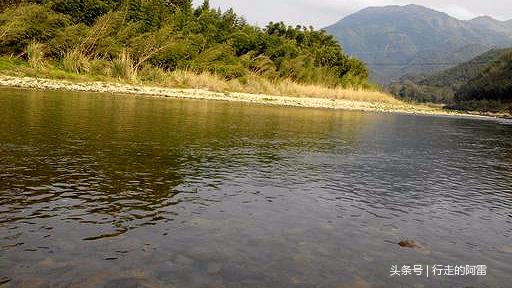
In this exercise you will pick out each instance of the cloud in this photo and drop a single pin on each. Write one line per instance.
(459, 11)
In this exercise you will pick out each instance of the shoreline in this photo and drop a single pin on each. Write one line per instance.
(200, 94)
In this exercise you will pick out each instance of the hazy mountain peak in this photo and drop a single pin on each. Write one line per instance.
(491, 24)
(484, 18)
(409, 8)
(416, 7)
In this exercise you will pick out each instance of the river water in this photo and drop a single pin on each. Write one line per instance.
(126, 191)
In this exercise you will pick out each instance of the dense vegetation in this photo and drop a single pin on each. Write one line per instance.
(494, 82)
(143, 38)
(484, 83)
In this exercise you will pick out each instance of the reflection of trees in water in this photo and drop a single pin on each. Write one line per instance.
(127, 160)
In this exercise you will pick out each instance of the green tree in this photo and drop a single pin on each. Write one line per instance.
(170, 34)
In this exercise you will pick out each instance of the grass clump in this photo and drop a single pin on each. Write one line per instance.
(123, 67)
(10, 63)
(75, 62)
(35, 54)
(100, 68)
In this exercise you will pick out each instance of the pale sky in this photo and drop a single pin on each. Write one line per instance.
(321, 13)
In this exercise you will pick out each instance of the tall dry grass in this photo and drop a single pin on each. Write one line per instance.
(35, 55)
(258, 85)
(76, 62)
(78, 66)
(123, 67)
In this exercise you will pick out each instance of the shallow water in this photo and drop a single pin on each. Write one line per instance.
(126, 191)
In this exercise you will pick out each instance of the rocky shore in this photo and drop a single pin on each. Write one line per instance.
(118, 88)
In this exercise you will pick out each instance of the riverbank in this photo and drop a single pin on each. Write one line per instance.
(183, 79)
(124, 88)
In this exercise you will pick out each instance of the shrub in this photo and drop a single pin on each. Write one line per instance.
(67, 39)
(75, 62)
(100, 67)
(151, 74)
(26, 23)
(84, 11)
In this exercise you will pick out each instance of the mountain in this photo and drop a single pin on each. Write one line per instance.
(483, 83)
(412, 39)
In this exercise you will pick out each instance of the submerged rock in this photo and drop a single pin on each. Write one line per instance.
(214, 268)
(409, 244)
(133, 282)
(357, 283)
(506, 248)
(32, 282)
(183, 260)
(4, 279)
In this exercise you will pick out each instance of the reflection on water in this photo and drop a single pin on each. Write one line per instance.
(123, 191)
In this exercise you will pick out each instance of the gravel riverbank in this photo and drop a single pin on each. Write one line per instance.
(117, 88)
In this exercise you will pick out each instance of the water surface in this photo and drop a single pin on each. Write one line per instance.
(126, 191)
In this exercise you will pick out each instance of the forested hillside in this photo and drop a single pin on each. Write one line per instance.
(494, 83)
(147, 37)
(484, 83)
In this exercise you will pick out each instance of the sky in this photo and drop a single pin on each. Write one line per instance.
(321, 13)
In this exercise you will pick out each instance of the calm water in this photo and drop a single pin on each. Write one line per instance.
(122, 191)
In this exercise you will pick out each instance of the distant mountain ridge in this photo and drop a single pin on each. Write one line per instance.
(398, 40)
(492, 24)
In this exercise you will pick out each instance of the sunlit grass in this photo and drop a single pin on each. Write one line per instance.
(11, 63)
(259, 85)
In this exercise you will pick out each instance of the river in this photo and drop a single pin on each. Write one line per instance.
(127, 191)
